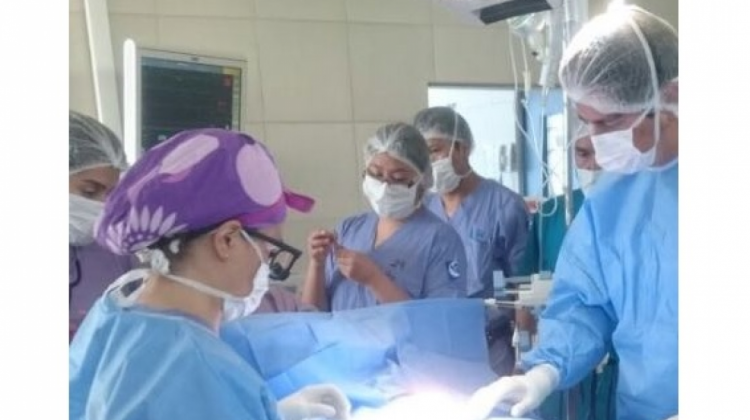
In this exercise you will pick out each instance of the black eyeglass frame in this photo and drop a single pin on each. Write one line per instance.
(277, 271)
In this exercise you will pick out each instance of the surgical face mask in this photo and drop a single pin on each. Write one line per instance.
(83, 213)
(615, 151)
(445, 177)
(586, 179)
(234, 306)
(391, 201)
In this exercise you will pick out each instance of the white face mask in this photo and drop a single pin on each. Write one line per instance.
(391, 201)
(615, 151)
(234, 307)
(83, 213)
(586, 179)
(446, 179)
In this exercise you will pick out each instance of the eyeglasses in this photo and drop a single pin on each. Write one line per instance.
(388, 180)
(281, 258)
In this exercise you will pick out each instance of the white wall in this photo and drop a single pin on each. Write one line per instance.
(323, 74)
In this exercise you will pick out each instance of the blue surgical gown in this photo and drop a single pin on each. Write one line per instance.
(424, 257)
(615, 284)
(494, 226)
(596, 391)
(132, 363)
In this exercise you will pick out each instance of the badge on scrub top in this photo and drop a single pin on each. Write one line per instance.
(453, 270)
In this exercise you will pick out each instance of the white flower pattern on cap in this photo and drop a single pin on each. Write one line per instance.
(142, 229)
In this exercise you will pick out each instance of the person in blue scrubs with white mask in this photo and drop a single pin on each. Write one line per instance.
(616, 280)
(204, 209)
(397, 251)
(491, 219)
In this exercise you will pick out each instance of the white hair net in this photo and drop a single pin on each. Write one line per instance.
(620, 61)
(403, 142)
(444, 122)
(92, 145)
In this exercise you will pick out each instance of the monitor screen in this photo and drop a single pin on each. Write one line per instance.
(172, 91)
(178, 95)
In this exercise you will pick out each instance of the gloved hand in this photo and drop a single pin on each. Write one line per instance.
(315, 401)
(525, 392)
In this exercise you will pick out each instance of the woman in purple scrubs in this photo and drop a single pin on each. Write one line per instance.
(96, 158)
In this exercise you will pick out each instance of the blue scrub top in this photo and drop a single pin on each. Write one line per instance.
(425, 257)
(494, 226)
